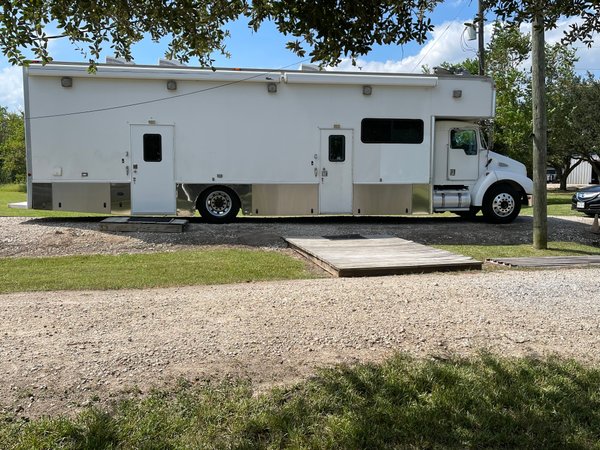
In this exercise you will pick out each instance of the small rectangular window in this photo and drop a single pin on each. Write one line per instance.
(465, 140)
(337, 148)
(391, 131)
(152, 147)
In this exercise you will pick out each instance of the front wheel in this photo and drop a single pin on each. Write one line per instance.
(501, 204)
(218, 204)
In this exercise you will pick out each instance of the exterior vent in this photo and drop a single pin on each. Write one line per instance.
(121, 61)
(309, 68)
(170, 63)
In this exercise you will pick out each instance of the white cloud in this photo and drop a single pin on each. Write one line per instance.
(448, 43)
(11, 88)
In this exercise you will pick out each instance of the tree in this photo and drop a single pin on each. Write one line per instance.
(12, 147)
(544, 15)
(196, 28)
(561, 93)
(586, 127)
(506, 53)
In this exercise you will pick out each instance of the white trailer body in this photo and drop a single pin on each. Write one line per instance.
(166, 140)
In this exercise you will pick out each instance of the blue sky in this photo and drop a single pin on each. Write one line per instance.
(266, 49)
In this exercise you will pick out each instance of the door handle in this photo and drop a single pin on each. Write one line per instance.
(316, 172)
(324, 172)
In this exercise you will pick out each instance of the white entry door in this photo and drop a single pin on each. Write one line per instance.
(153, 188)
(335, 191)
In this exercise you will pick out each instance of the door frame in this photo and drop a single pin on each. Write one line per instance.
(324, 160)
(137, 152)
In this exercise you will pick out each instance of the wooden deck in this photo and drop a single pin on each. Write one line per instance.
(548, 261)
(144, 224)
(358, 256)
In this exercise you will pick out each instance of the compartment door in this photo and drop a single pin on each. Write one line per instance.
(152, 170)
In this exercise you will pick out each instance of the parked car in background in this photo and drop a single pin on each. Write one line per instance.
(587, 200)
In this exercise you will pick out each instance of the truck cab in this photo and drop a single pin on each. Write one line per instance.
(468, 177)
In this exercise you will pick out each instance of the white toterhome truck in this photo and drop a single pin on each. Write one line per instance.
(167, 140)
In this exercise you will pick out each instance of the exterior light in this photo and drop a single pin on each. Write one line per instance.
(367, 90)
(172, 85)
(457, 93)
(66, 82)
(271, 88)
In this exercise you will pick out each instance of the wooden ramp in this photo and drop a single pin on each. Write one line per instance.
(548, 261)
(359, 256)
(144, 224)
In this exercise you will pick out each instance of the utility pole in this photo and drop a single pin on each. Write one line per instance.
(480, 42)
(540, 130)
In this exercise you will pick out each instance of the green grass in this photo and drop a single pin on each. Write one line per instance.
(559, 204)
(486, 402)
(555, 248)
(147, 270)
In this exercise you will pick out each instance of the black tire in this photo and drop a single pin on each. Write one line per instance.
(218, 204)
(501, 204)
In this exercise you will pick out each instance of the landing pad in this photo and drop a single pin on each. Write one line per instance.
(144, 224)
(374, 255)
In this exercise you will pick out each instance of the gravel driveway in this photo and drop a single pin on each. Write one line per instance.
(62, 350)
(53, 237)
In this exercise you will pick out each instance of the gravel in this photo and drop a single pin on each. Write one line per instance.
(60, 351)
(55, 237)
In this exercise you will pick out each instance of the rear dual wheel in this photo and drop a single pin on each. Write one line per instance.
(218, 204)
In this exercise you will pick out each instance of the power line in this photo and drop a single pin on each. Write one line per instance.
(162, 99)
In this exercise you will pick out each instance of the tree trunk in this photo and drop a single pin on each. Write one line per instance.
(540, 130)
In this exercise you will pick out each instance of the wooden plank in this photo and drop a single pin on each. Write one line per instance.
(548, 261)
(377, 255)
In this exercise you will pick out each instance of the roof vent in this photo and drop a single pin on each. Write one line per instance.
(170, 63)
(310, 68)
(119, 61)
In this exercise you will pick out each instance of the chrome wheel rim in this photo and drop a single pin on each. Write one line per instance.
(503, 205)
(218, 203)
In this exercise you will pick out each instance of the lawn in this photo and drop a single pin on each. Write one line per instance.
(559, 204)
(150, 270)
(484, 402)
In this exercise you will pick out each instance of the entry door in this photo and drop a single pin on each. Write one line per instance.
(463, 154)
(152, 180)
(335, 191)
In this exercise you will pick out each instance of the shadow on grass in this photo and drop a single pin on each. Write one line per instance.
(487, 402)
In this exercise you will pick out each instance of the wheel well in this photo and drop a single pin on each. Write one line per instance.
(513, 184)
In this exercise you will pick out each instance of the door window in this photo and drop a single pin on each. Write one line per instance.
(337, 148)
(152, 147)
(465, 140)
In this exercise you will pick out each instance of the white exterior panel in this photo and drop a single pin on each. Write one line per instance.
(232, 127)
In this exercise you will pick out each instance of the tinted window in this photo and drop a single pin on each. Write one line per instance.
(152, 147)
(465, 139)
(391, 131)
(337, 148)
